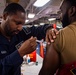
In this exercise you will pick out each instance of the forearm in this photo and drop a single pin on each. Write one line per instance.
(50, 62)
(39, 32)
(46, 70)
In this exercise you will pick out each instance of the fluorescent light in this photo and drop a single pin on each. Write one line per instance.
(40, 3)
(26, 21)
(35, 25)
(31, 15)
(51, 19)
(42, 23)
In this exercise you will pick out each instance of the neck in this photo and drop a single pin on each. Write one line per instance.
(3, 32)
(73, 19)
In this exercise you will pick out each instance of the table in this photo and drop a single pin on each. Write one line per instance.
(32, 69)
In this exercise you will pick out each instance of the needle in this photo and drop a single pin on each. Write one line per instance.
(40, 41)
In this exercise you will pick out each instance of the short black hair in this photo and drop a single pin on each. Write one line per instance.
(12, 8)
(72, 2)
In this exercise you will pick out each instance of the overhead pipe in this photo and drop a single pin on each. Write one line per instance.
(30, 3)
(10, 1)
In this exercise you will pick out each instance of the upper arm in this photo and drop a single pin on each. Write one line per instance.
(50, 62)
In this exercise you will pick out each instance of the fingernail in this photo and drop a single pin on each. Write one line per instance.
(52, 40)
(57, 32)
(54, 36)
(48, 43)
(31, 37)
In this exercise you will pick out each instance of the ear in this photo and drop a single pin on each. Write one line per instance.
(72, 11)
(5, 16)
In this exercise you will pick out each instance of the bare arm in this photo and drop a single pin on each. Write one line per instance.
(50, 62)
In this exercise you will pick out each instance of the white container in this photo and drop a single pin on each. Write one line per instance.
(28, 59)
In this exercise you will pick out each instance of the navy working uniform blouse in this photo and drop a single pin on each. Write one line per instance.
(10, 60)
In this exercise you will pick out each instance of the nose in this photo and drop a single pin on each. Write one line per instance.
(19, 27)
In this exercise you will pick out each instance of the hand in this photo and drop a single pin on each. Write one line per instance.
(28, 46)
(51, 35)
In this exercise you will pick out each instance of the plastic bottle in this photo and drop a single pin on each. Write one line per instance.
(28, 59)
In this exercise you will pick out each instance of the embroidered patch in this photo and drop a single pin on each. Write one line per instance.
(27, 30)
(3, 52)
(19, 45)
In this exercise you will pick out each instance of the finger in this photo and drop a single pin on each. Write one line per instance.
(33, 43)
(47, 39)
(32, 39)
(51, 38)
(53, 33)
(35, 38)
(34, 46)
(56, 31)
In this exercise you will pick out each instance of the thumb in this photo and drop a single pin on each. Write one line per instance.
(31, 38)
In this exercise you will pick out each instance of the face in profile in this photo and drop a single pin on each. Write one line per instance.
(64, 14)
(14, 23)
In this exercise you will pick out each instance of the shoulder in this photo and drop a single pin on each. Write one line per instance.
(68, 29)
(64, 37)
